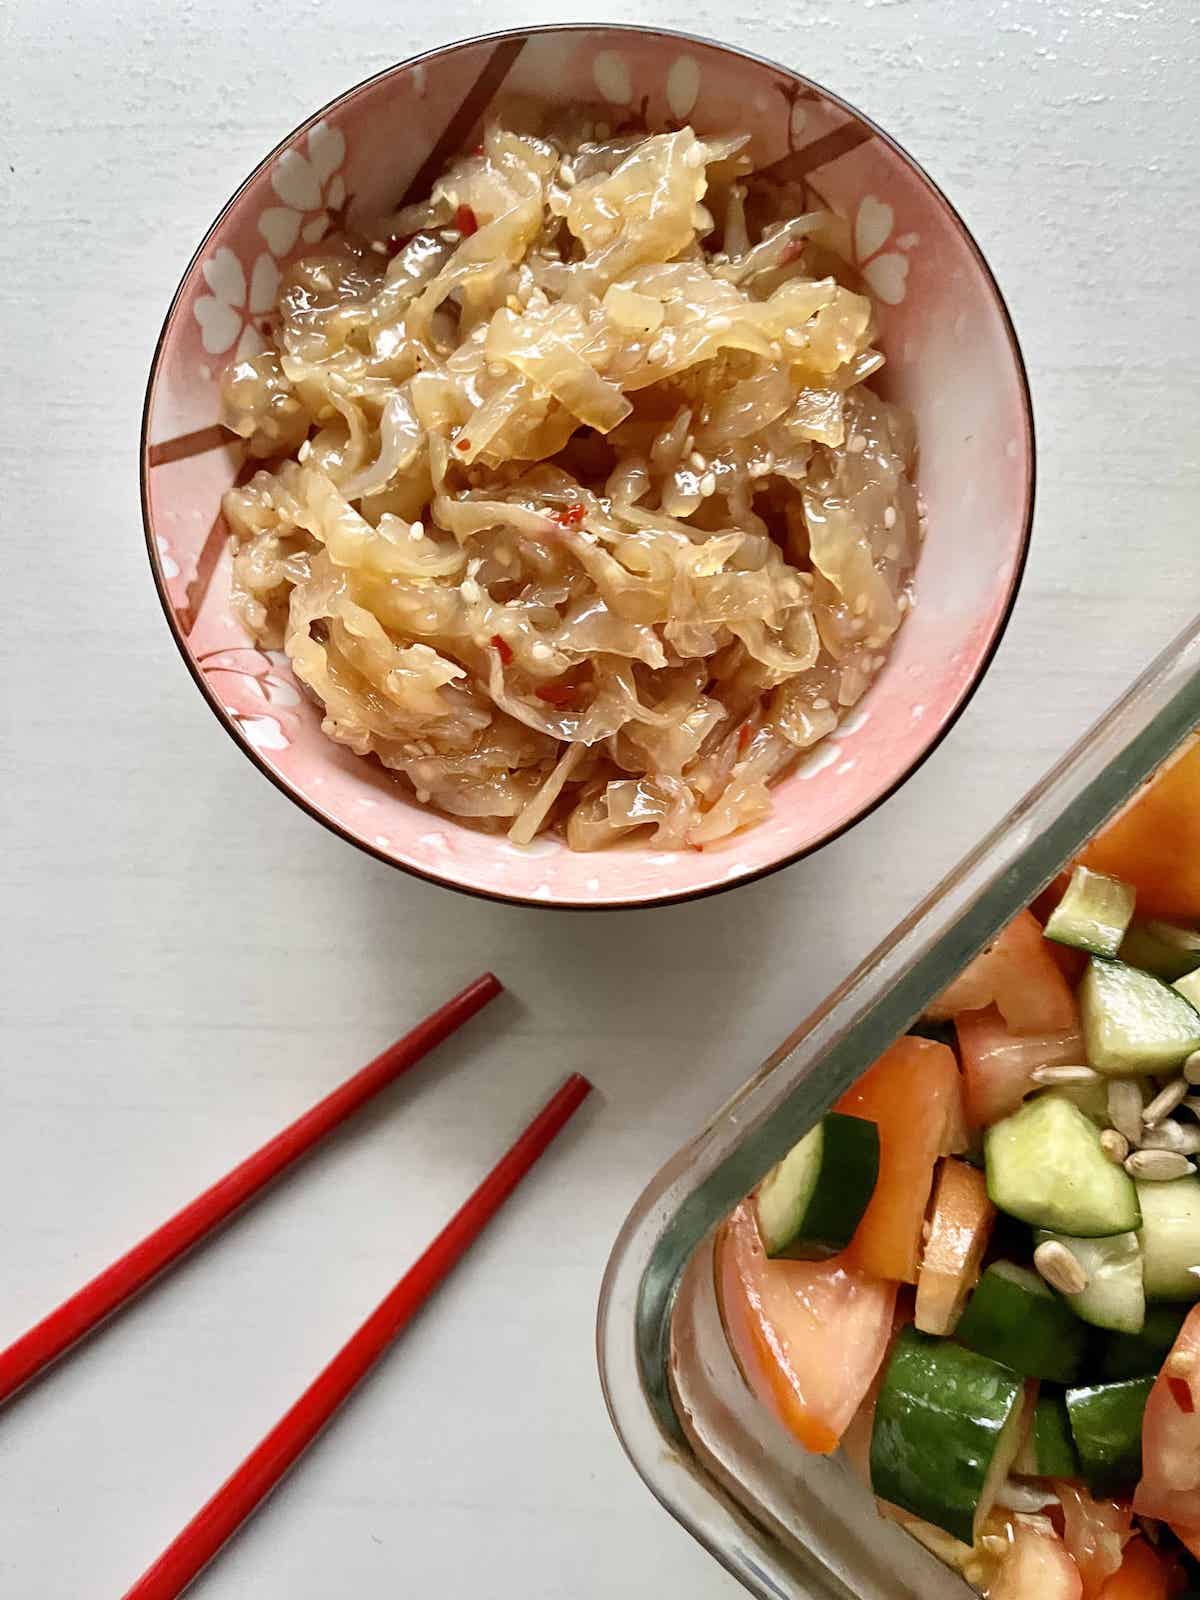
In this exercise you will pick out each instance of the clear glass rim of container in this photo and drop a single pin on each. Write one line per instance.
(825, 1053)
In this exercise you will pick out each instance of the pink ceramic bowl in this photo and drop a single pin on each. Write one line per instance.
(952, 357)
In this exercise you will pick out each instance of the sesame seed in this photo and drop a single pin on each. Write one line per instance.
(720, 325)
(451, 235)
(856, 444)
(304, 451)
(566, 173)
(776, 350)
(379, 247)
(820, 703)
(470, 591)
(423, 796)
(698, 461)
(541, 652)
(708, 484)
(889, 517)
(694, 157)
(416, 530)
(796, 337)
(657, 350)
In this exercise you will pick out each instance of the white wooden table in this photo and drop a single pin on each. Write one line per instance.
(188, 960)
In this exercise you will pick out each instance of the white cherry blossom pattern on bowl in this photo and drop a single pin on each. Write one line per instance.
(952, 358)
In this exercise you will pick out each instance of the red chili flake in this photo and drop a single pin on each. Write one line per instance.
(466, 221)
(1182, 1395)
(478, 150)
(462, 444)
(570, 516)
(744, 737)
(503, 649)
(561, 695)
(397, 241)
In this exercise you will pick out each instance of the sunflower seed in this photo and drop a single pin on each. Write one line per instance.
(1158, 1166)
(1168, 1100)
(1115, 1146)
(1180, 1363)
(1048, 1076)
(1191, 1067)
(1061, 1270)
(1171, 1135)
(1125, 1108)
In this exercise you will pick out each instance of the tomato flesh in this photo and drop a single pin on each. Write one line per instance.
(809, 1336)
(1018, 973)
(1170, 1486)
(1154, 844)
(1036, 1567)
(913, 1093)
(998, 1065)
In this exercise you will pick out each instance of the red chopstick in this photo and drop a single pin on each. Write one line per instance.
(240, 1495)
(98, 1299)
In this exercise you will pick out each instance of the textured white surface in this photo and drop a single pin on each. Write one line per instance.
(174, 986)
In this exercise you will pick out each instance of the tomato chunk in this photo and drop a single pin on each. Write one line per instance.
(1096, 1533)
(914, 1094)
(1154, 844)
(809, 1336)
(1036, 1567)
(960, 1225)
(998, 1065)
(1144, 1574)
(1018, 973)
(1170, 1486)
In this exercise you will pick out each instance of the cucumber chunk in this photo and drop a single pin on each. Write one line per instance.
(1134, 1023)
(810, 1204)
(948, 1423)
(1045, 1165)
(1049, 1449)
(1093, 914)
(1136, 1355)
(1114, 1298)
(1013, 1318)
(1106, 1425)
(1170, 1237)
(1161, 948)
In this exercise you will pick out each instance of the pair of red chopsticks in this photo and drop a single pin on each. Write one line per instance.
(262, 1469)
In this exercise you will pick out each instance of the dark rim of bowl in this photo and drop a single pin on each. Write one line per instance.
(639, 902)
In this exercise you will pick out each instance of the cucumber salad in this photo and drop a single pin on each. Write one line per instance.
(979, 1274)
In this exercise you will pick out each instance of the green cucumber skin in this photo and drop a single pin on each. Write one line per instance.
(1140, 1355)
(1025, 1328)
(1045, 1165)
(1133, 1023)
(1115, 1298)
(846, 1152)
(1170, 1236)
(1106, 1425)
(1153, 951)
(1093, 914)
(938, 1422)
(1053, 1447)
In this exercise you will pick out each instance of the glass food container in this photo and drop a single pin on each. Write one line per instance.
(785, 1523)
